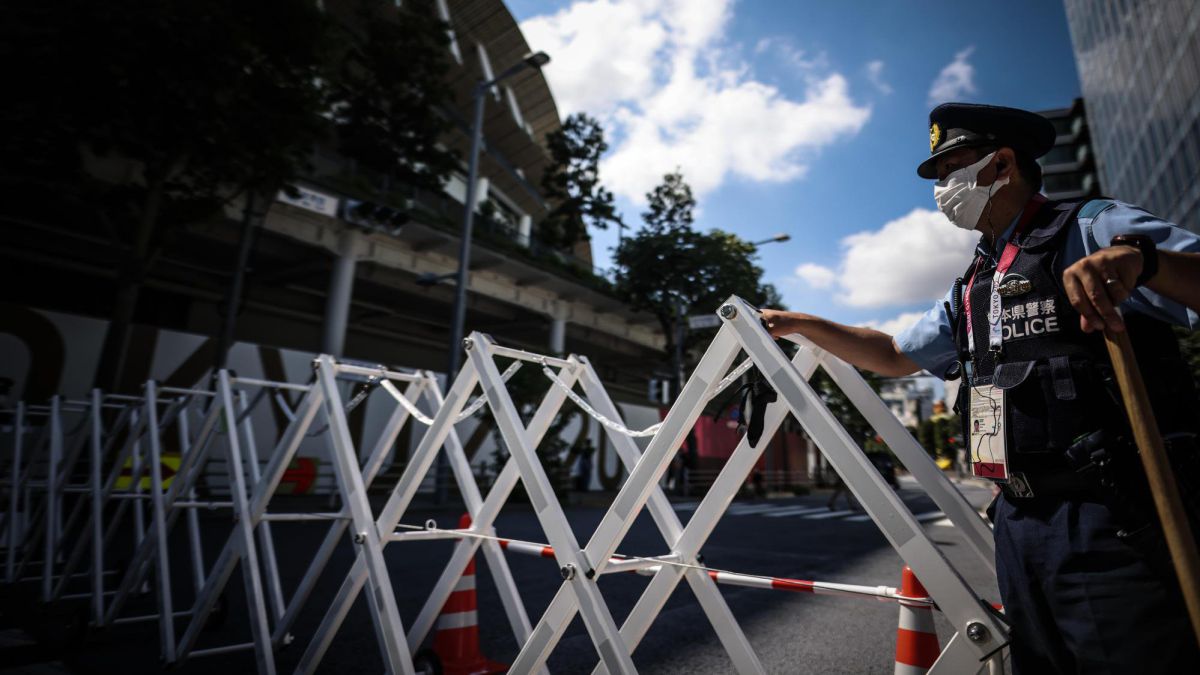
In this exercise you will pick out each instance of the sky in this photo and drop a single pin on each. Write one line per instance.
(801, 117)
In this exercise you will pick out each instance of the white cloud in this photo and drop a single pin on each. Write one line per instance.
(875, 77)
(956, 80)
(817, 276)
(672, 92)
(785, 51)
(895, 324)
(908, 260)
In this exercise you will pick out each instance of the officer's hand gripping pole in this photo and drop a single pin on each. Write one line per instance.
(1167, 501)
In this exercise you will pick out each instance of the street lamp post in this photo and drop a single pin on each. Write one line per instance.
(534, 60)
(781, 237)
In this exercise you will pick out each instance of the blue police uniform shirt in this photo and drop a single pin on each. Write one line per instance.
(930, 343)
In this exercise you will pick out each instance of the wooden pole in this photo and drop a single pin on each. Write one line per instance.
(1158, 472)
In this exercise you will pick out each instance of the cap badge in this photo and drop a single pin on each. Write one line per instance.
(935, 135)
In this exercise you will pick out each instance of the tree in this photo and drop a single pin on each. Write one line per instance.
(388, 89)
(572, 186)
(669, 269)
(143, 118)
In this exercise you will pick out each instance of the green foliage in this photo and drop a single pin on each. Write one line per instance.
(200, 96)
(137, 118)
(935, 435)
(671, 204)
(571, 183)
(386, 86)
(669, 269)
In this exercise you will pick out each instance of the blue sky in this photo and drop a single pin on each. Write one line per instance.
(802, 117)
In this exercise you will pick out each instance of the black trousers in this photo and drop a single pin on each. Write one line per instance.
(1082, 600)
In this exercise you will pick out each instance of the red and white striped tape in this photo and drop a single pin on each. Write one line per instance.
(882, 593)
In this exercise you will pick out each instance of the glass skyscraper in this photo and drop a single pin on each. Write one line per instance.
(1139, 66)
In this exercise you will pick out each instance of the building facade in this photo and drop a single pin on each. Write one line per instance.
(343, 265)
(1069, 169)
(1139, 67)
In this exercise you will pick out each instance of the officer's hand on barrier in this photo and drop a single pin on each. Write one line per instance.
(1095, 285)
(778, 322)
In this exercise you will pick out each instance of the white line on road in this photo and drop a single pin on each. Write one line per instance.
(750, 509)
(795, 511)
(830, 514)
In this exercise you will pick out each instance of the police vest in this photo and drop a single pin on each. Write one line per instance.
(1058, 380)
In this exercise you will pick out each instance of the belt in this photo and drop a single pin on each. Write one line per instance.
(1054, 484)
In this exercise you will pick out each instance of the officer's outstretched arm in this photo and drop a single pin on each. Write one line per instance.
(865, 348)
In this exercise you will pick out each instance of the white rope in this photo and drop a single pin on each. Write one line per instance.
(732, 377)
(610, 424)
(471, 409)
(475, 405)
(648, 431)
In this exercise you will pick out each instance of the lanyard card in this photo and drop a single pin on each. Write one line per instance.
(989, 454)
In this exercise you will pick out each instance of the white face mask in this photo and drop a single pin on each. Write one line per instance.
(962, 198)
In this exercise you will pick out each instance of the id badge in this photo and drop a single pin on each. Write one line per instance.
(989, 453)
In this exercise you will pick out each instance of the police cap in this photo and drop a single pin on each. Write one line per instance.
(971, 125)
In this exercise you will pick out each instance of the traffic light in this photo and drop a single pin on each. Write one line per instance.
(660, 391)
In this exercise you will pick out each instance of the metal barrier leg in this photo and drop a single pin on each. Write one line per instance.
(639, 620)
(483, 518)
(952, 594)
(265, 539)
(629, 502)
(381, 598)
(166, 610)
(397, 502)
(195, 547)
(913, 456)
(97, 515)
(337, 529)
(91, 527)
(52, 499)
(15, 529)
(184, 481)
(236, 547)
(245, 533)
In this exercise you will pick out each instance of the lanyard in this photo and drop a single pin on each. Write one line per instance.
(995, 330)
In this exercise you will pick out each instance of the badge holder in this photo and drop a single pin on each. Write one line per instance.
(989, 452)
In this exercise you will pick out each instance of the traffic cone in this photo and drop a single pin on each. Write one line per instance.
(456, 641)
(916, 640)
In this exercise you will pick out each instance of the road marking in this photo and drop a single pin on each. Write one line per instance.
(932, 515)
(794, 511)
(828, 514)
(750, 509)
(687, 506)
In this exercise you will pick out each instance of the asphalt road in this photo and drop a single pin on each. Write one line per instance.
(792, 633)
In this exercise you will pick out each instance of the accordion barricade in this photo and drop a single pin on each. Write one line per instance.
(215, 426)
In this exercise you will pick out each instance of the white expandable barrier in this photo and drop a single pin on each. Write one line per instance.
(980, 633)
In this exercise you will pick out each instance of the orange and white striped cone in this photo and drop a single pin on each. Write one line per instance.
(456, 641)
(917, 646)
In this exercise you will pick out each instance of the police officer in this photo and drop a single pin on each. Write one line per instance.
(1084, 575)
